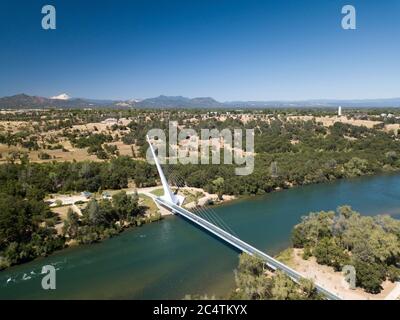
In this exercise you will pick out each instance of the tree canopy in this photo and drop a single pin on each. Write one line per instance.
(370, 244)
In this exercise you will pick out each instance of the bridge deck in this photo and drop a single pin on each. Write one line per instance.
(242, 246)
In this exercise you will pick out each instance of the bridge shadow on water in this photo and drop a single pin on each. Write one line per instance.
(215, 237)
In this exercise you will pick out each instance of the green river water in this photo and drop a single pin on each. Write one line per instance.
(171, 258)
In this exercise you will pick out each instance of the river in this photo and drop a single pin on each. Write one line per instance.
(171, 258)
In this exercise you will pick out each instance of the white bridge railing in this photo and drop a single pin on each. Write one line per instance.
(173, 202)
(242, 246)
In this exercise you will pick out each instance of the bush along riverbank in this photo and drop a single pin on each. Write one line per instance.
(28, 226)
(323, 244)
(336, 239)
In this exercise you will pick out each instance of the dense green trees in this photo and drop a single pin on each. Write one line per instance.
(26, 222)
(328, 252)
(26, 230)
(369, 275)
(126, 206)
(27, 225)
(91, 140)
(288, 152)
(253, 283)
(71, 224)
(218, 186)
(297, 153)
(104, 218)
(303, 151)
(34, 178)
(370, 244)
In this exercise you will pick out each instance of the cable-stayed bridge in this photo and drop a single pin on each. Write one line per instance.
(173, 203)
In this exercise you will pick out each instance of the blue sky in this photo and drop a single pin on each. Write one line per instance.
(227, 49)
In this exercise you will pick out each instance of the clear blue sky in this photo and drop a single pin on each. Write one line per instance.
(227, 49)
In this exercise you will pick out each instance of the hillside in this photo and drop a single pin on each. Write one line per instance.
(24, 101)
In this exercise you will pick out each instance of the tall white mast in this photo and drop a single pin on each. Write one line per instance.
(168, 194)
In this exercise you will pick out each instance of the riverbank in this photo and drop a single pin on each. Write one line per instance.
(62, 204)
(172, 258)
(333, 280)
(194, 197)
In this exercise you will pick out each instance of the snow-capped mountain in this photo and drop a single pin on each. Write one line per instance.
(62, 96)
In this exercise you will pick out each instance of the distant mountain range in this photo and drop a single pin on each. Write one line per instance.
(178, 102)
(23, 101)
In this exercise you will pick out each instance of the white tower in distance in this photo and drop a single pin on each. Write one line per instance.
(339, 112)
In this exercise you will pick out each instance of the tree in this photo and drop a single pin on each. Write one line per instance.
(44, 156)
(371, 244)
(219, 184)
(329, 253)
(313, 227)
(284, 288)
(253, 284)
(26, 229)
(16, 221)
(393, 273)
(126, 206)
(391, 156)
(356, 167)
(71, 224)
(368, 276)
(93, 214)
(250, 264)
(250, 281)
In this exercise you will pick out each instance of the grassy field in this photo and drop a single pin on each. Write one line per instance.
(148, 202)
(158, 192)
(192, 196)
(58, 137)
(286, 257)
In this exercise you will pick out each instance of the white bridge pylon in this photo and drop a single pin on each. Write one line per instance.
(168, 196)
(173, 203)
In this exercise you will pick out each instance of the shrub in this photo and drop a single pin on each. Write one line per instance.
(369, 276)
(393, 273)
(307, 253)
(44, 156)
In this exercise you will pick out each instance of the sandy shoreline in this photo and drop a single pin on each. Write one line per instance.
(334, 281)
